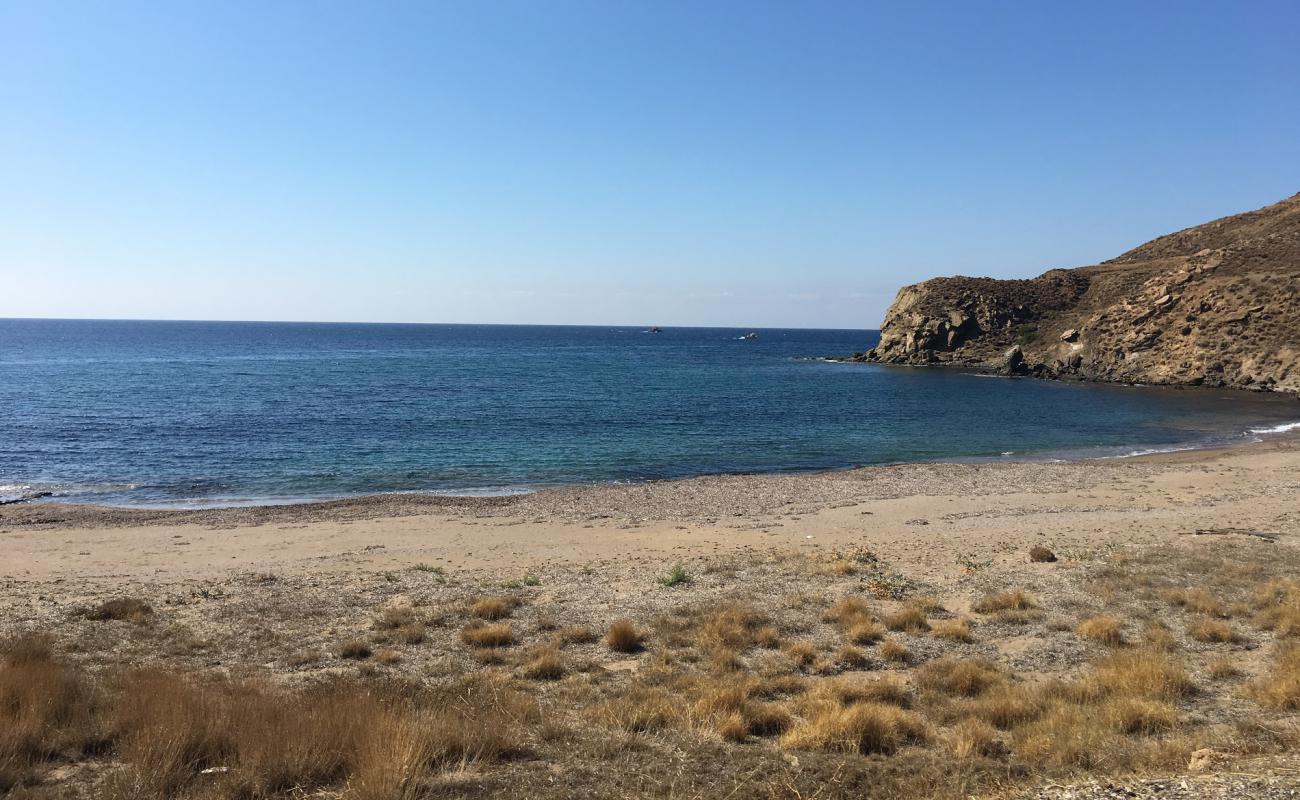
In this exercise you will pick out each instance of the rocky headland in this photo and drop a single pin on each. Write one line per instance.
(1214, 305)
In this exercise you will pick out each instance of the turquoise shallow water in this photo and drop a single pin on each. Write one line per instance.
(141, 413)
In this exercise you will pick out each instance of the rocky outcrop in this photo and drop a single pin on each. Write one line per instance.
(1218, 304)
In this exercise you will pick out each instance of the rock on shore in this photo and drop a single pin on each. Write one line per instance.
(1215, 305)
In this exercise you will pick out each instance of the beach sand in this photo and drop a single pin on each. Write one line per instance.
(280, 594)
(917, 515)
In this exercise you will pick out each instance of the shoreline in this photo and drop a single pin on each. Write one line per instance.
(918, 514)
(413, 502)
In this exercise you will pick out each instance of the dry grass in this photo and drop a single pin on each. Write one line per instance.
(493, 608)
(387, 656)
(848, 610)
(1212, 631)
(1102, 629)
(908, 619)
(851, 657)
(1196, 600)
(623, 637)
(575, 634)
(1012, 600)
(954, 630)
(863, 728)
(485, 635)
(1041, 555)
(1277, 607)
(1140, 673)
(1140, 715)
(46, 708)
(973, 738)
(731, 627)
(966, 678)
(394, 617)
(544, 665)
(129, 609)
(894, 651)
(864, 632)
(354, 649)
(166, 727)
(767, 637)
(802, 653)
(1222, 668)
(1280, 688)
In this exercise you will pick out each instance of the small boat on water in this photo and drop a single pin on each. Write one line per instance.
(749, 337)
(656, 329)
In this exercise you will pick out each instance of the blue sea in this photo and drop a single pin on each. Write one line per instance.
(212, 413)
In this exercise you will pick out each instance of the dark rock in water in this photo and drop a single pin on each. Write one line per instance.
(1015, 361)
(1236, 278)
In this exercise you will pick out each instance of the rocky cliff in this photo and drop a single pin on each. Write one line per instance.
(1218, 304)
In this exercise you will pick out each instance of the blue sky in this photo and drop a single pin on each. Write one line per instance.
(746, 163)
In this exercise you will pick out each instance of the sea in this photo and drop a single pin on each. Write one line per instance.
(192, 414)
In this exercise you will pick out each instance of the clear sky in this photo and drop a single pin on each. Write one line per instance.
(726, 163)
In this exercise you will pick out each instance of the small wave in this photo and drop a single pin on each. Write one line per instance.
(1285, 427)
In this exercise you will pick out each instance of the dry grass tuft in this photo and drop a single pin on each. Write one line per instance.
(1197, 600)
(1006, 706)
(1280, 688)
(731, 627)
(1012, 600)
(129, 609)
(388, 656)
(640, 710)
(1277, 607)
(802, 653)
(851, 657)
(864, 632)
(355, 649)
(1222, 668)
(575, 635)
(1102, 629)
(767, 637)
(413, 633)
(894, 651)
(1139, 673)
(966, 678)
(1140, 715)
(623, 637)
(863, 728)
(1041, 555)
(484, 635)
(1212, 631)
(955, 630)
(545, 665)
(493, 608)
(848, 610)
(46, 709)
(973, 738)
(908, 619)
(394, 617)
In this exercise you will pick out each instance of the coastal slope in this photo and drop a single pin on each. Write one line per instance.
(1213, 305)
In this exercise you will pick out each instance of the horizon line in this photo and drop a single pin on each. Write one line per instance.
(447, 324)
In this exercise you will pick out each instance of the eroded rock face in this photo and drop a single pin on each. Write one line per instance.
(1215, 305)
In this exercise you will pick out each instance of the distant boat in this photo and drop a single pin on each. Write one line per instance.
(749, 337)
(656, 329)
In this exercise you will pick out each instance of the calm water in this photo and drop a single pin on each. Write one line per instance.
(196, 413)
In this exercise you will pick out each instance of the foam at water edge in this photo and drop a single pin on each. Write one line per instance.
(1285, 427)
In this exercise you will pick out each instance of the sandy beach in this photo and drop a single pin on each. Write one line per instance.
(917, 515)
(924, 558)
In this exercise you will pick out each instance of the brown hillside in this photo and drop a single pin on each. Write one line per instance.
(1217, 304)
